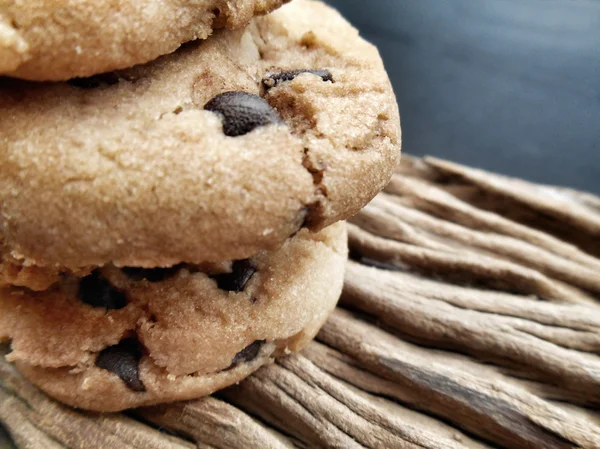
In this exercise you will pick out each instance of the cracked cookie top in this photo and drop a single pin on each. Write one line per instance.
(56, 40)
(224, 148)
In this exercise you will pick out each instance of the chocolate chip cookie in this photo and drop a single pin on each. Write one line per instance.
(61, 39)
(224, 148)
(125, 337)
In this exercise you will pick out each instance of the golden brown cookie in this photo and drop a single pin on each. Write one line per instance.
(121, 338)
(224, 148)
(61, 39)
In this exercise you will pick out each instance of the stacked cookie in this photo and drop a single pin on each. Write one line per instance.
(169, 227)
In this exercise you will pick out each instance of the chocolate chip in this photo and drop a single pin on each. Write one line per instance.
(98, 292)
(301, 221)
(241, 273)
(247, 354)
(92, 82)
(273, 79)
(314, 215)
(150, 274)
(123, 360)
(242, 112)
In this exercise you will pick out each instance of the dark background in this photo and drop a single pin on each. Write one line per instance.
(511, 86)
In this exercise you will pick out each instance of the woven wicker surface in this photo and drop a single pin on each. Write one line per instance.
(470, 319)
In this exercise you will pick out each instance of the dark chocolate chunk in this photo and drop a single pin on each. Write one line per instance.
(242, 112)
(247, 354)
(123, 360)
(98, 292)
(241, 273)
(150, 274)
(273, 79)
(92, 82)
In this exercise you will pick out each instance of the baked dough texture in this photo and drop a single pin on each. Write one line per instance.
(52, 40)
(215, 152)
(122, 338)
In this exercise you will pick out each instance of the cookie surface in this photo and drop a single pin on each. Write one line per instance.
(61, 39)
(122, 338)
(224, 148)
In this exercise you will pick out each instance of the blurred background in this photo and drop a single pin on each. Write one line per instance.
(512, 86)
